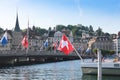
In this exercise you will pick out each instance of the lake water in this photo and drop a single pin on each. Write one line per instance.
(66, 70)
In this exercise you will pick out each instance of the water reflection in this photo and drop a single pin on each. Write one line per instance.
(89, 77)
(94, 77)
(68, 70)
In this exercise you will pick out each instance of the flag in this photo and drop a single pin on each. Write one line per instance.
(25, 42)
(46, 43)
(55, 44)
(4, 39)
(65, 45)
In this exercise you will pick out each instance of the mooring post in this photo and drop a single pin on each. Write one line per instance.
(99, 65)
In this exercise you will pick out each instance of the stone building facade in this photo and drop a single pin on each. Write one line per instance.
(102, 42)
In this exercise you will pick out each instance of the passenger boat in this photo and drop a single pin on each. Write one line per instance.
(109, 67)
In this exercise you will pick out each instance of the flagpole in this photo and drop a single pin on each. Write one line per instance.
(78, 54)
(27, 37)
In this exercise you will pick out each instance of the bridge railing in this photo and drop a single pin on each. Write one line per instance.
(33, 53)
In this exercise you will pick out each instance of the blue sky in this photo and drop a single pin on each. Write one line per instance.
(49, 13)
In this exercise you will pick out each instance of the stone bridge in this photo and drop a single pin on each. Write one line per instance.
(13, 57)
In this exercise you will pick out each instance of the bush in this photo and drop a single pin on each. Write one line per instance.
(104, 52)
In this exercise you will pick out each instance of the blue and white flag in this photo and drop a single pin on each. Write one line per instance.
(4, 39)
(46, 43)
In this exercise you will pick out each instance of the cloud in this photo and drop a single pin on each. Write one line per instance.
(80, 10)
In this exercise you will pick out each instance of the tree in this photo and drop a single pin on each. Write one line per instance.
(70, 27)
(33, 28)
(60, 27)
(94, 50)
(104, 52)
(78, 32)
(99, 32)
(107, 34)
(91, 31)
(49, 29)
(91, 28)
(79, 26)
(1, 30)
(83, 27)
(86, 29)
(74, 31)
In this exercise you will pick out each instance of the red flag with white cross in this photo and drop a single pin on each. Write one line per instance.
(65, 45)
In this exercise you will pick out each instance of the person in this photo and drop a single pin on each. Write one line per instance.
(102, 58)
(93, 57)
(116, 59)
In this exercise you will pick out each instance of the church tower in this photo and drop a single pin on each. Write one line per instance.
(17, 28)
(16, 35)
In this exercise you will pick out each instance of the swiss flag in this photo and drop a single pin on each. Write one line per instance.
(65, 45)
(25, 42)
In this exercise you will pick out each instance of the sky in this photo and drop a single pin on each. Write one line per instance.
(49, 13)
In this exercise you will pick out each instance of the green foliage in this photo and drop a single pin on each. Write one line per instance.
(70, 27)
(104, 52)
(33, 28)
(107, 34)
(76, 29)
(94, 50)
(49, 29)
(99, 32)
(1, 30)
(60, 27)
(39, 31)
(91, 28)
(91, 31)
(107, 52)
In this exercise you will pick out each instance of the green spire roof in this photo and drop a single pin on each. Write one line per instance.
(17, 28)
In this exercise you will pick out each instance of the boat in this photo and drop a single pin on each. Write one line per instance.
(109, 66)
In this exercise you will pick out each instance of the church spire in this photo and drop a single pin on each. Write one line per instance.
(17, 28)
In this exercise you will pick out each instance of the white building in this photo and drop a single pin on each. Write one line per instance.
(116, 45)
(58, 36)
